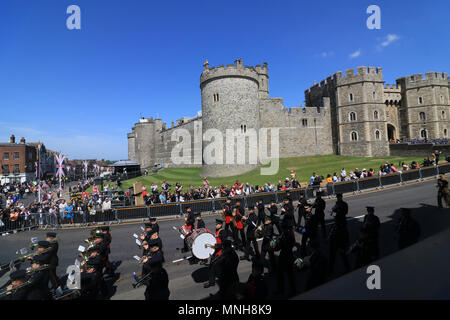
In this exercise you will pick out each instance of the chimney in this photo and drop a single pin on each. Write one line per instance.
(12, 139)
(22, 140)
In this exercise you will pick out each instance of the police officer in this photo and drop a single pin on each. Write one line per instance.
(221, 236)
(408, 229)
(319, 206)
(252, 223)
(273, 210)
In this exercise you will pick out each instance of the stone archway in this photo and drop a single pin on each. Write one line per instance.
(392, 134)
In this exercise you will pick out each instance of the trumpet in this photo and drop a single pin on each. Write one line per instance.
(13, 290)
(33, 254)
(90, 242)
(142, 280)
(31, 270)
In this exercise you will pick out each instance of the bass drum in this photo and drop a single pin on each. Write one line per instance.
(197, 242)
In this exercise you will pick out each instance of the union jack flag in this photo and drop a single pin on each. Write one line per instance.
(60, 165)
(85, 163)
(38, 166)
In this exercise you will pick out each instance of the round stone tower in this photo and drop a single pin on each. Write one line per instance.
(230, 105)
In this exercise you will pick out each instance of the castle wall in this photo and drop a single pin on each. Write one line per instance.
(303, 131)
(165, 145)
(132, 147)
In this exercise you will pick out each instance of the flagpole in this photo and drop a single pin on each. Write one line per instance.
(39, 172)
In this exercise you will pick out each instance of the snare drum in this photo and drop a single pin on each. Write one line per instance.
(184, 230)
(199, 241)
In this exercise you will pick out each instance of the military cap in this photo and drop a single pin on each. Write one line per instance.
(370, 208)
(287, 198)
(338, 194)
(197, 214)
(151, 232)
(19, 274)
(105, 228)
(148, 225)
(93, 248)
(251, 208)
(272, 201)
(153, 243)
(152, 219)
(267, 218)
(43, 244)
(99, 235)
(93, 262)
(51, 234)
(219, 221)
(39, 259)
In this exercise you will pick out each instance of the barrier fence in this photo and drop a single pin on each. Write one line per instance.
(118, 214)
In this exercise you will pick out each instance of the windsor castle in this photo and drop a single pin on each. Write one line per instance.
(353, 113)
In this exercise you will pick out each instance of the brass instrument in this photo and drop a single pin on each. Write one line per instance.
(13, 290)
(258, 233)
(33, 254)
(90, 242)
(142, 280)
(302, 263)
(31, 270)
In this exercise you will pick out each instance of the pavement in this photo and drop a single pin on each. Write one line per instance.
(186, 280)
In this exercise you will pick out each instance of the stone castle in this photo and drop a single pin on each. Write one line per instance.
(353, 114)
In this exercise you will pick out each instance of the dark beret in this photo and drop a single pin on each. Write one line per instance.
(93, 248)
(51, 234)
(267, 218)
(152, 219)
(105, 228)
(39, 259)
(153, 243)
(99, 235)
(148, 225)
(219, 221)
(197, 214)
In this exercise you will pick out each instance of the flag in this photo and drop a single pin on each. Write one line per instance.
(60, 165)
(85, 163)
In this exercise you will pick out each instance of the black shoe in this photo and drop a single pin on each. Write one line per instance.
(207, 285)
(245, 258)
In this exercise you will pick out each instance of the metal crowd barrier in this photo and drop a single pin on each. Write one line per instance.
(117, 214)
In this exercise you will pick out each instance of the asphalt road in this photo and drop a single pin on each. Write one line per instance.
(186, 280)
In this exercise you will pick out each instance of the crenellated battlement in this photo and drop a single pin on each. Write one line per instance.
(391, 87)
(233, 70)
(420, 80)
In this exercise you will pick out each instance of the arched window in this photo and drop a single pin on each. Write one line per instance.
(350, 96)
(352, 116)
(423, 133)
(375, 115)
(377, 135)
(354, 136)
(305, 122)
(422, 116)
(216, 97)
(445, 133)
(243, 128)
(420, 100)
(443, 114)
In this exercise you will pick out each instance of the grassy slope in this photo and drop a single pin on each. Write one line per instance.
(303, 166)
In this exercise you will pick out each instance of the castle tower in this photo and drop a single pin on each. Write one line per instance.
(230, 102)
(425, 107)
(362, 113)
(263, 77)
(141, 143)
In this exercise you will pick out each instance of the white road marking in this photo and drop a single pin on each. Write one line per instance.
(179, 260)
(349, 218)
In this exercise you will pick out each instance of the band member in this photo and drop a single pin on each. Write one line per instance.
(319, 206)
(107, 239)
(301, 210)
(408, 229)
(154, 236)
(155, 256)
(190, 218)
(287, 211)
(39, 289)
(309, 232)
(54, 261)
(252, 224)
(90, 280)
(317, 266)
(157, 284)
(147, 228)
(286, 259)
(267, 231)
(261, 212)
(18, 289)
(256, 284)
(100, 242)
(238, 213)
(339, 236)
(155, 226)
(221, 235)
(199, 223)
(227, 215)
(273, 209)
(443, 192)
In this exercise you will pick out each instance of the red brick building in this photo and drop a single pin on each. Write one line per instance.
(17, 161)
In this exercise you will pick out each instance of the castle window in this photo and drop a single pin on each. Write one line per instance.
(422, 116)
(305, 122)
(350, 96)
(354, 136)
(243, 128)
(423, 133)
(352, 116)
(442, 99)
(373, 95)
(375, 115)
(445, 133)
(377, 135)
(420, 100)
(443, 114)
(216, 97)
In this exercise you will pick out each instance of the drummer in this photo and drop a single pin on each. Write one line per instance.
(221, 235)
(199, 223)
(189, 222)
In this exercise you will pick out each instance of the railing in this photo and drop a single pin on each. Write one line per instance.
(118, 214)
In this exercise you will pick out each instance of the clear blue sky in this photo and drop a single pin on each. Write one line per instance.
(81, 91)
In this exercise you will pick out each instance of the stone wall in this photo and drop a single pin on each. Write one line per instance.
(419, 150)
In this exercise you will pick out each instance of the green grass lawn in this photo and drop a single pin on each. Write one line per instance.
(303, 167)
